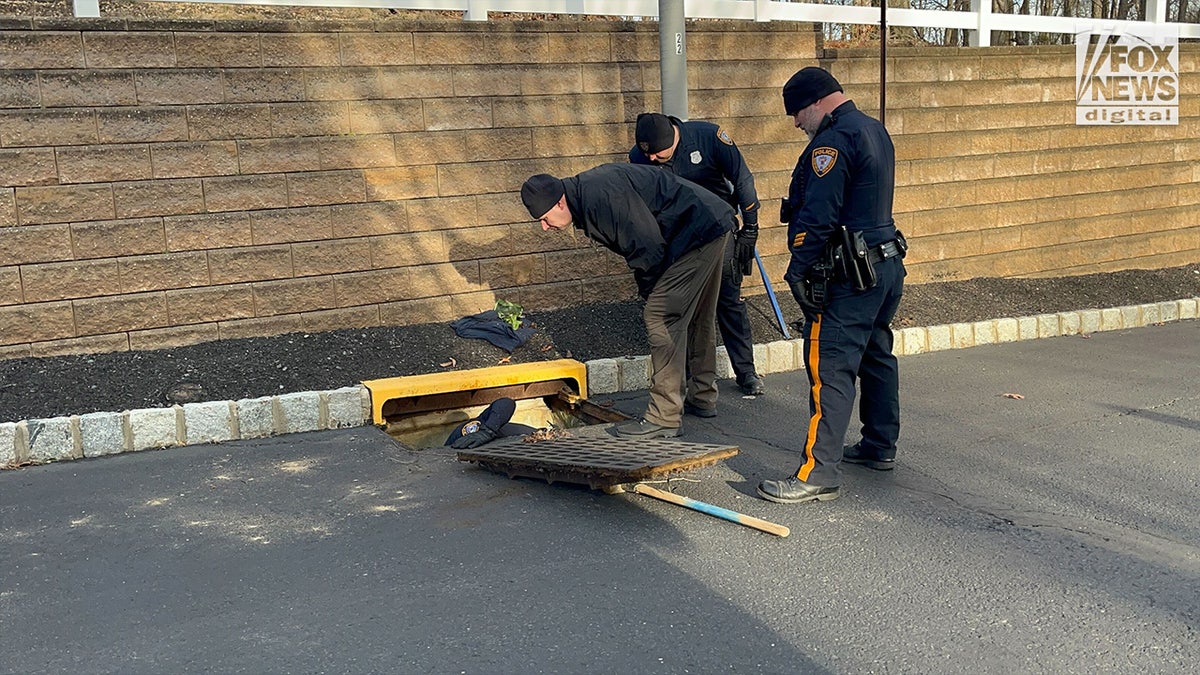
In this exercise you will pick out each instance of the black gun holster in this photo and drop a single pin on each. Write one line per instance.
(855, 263)
(821, 276)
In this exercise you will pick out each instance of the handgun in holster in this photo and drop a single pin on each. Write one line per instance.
(820, 276)
(855, 264)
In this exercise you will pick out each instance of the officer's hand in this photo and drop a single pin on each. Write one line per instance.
(732, 271)
(474, 439)
(743, 249)
(801, 299)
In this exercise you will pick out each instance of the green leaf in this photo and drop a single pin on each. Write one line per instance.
(510, 313)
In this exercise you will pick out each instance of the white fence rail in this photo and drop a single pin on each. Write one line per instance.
(980, 21)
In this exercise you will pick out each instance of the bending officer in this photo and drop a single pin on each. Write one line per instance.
(672, 234)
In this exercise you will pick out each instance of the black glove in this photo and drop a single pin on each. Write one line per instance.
(743, 248)
(801, 298)
(474, 439)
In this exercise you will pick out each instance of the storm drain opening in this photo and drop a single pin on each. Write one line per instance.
(422, 410)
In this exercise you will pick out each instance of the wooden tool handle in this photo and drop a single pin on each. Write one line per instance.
(704, 507)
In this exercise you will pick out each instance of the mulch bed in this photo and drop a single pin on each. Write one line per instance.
(253, 367)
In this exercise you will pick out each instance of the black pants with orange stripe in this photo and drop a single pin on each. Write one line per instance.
(849, 341)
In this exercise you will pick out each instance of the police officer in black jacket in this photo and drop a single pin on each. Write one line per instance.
(847, 275)
(704, 153)
(672, 234)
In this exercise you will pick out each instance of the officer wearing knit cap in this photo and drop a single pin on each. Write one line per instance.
(540, 194)
(806, 86)
(847, 275)
(672, 234)
(654, 133)
(704, 153)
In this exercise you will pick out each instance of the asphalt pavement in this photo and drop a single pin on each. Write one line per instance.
(1042, 518)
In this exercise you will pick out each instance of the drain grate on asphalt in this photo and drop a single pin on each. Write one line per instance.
(596, 462)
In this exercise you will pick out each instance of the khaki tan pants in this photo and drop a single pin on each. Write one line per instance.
(680, 317)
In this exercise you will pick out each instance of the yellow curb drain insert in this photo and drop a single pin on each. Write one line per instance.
(396, 397)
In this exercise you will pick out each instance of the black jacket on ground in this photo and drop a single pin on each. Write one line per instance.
(648, 216)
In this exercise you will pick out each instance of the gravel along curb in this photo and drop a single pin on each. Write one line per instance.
(38, 441)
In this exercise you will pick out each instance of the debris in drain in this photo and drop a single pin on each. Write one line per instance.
(546, 435)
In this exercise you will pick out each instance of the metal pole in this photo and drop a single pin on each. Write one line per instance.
(672, 58)
(883, 36)
(771, 296)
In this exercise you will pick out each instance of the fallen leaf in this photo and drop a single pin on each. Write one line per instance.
(1016, 396)
(568, 354)
(546, 348)
(449, 364)
(504, 360)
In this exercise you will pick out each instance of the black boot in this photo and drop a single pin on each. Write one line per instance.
(752, 385)
(854, 455)
(793, 490)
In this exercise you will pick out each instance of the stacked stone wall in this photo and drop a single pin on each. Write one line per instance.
(171, 182)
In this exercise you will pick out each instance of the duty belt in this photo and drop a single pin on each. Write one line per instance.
(887, 249)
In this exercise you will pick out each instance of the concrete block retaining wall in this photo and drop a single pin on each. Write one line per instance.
(173, 182)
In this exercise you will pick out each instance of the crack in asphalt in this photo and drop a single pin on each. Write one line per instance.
(1122, 537)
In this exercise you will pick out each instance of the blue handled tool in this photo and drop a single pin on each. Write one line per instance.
(771, 295)
(704, 507)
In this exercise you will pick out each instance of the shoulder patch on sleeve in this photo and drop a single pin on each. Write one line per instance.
(723, 136)
(823, 159)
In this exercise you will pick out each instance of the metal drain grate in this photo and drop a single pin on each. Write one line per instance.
(596, 462)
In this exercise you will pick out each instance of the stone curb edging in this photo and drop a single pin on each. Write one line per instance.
(37, 441)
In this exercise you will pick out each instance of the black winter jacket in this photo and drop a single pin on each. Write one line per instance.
(648, 216)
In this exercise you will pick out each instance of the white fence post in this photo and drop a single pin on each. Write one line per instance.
(982, 35)
(1156, 11)
(87, 7)
(762, 10)
(477, 10)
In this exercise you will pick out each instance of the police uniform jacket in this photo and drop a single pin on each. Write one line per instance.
(847, 176)
(707, 156)
(648, 216)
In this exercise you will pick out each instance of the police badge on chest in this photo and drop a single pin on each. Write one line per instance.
(695, 157)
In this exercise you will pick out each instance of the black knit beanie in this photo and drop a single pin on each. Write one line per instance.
(805, 87)
(654, 132)
(540, 193)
